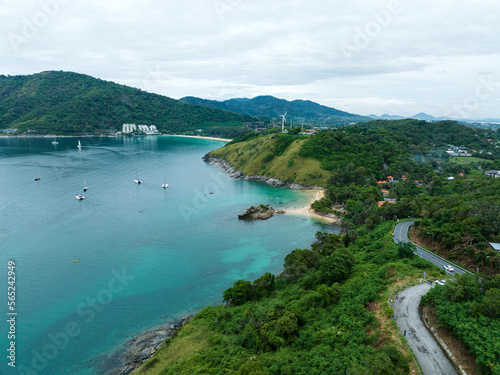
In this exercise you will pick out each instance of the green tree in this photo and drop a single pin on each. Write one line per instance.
(240, 293)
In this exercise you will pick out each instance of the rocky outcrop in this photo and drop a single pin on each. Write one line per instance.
(259, 213)
(234, 173)
(144, 345)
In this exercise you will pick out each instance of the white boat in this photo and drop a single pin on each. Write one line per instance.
(137, 180)
(80, 197)
(54, 142)
(79, 144)
(164, 186)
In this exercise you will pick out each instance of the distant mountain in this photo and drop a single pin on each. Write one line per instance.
(69, 103)
(268, 107)
(386, 117)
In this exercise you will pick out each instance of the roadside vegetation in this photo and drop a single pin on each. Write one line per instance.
(469, 307)
(326, 313)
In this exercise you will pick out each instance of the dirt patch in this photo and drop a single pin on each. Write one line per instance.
(457, 348)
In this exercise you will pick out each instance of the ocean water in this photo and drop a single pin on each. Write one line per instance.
(146, 254)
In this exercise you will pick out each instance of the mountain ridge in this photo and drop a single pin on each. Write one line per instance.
(267, 107)
(71, 103)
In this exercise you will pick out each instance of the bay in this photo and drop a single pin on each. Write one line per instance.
(146, 254)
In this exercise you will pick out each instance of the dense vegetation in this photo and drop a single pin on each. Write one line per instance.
(269, 107)
(470, 308)
(395, 147)
(459, 216)
(318, 317)
(71, 103)
(326, 313)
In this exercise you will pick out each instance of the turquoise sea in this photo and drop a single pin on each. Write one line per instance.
(146, 254)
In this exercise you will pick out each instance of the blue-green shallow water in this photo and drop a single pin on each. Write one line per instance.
(147, 254)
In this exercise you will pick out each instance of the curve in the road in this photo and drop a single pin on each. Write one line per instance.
(429, 354)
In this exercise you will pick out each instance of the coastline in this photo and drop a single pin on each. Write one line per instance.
(107, 135)
(306, 210)
(197, 136)
(316, 192)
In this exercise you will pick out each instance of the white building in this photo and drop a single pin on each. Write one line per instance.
(146, 129)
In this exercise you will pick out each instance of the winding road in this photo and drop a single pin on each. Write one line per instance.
(401, 234)
(429, 354)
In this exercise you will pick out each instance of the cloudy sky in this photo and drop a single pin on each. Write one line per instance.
(391, 56)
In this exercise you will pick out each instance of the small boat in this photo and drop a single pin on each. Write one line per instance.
(137, 180)
(79, 144)
(80, 197)
(37, 178)
(76, 260)
(54, 142)
(84, 185)
(164, 185)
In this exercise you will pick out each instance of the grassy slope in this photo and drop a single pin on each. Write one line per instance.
(247, 157)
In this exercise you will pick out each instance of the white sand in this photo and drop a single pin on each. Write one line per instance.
(307, 211)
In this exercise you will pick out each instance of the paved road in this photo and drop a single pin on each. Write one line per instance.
(401, 234)
(429, 355)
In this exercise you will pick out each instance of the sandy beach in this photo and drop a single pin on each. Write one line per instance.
(198, 136)
(307, 211)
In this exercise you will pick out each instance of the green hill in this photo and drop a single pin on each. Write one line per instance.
(274, 156)
(370, 151)
(269, 107)
(70, 103)
(328, 311)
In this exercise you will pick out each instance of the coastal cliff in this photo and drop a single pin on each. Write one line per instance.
(273, 158)
(234, 173)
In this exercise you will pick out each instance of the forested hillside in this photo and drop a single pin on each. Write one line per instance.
(268, 107)
(326, 314)
(70, 103)
(458, 206)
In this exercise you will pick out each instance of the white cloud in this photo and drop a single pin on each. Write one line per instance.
(377, 56)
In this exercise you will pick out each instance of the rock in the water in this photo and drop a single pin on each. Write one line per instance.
(257, 213)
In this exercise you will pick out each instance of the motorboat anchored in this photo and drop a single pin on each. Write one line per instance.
(80, 197)
(137, 180)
